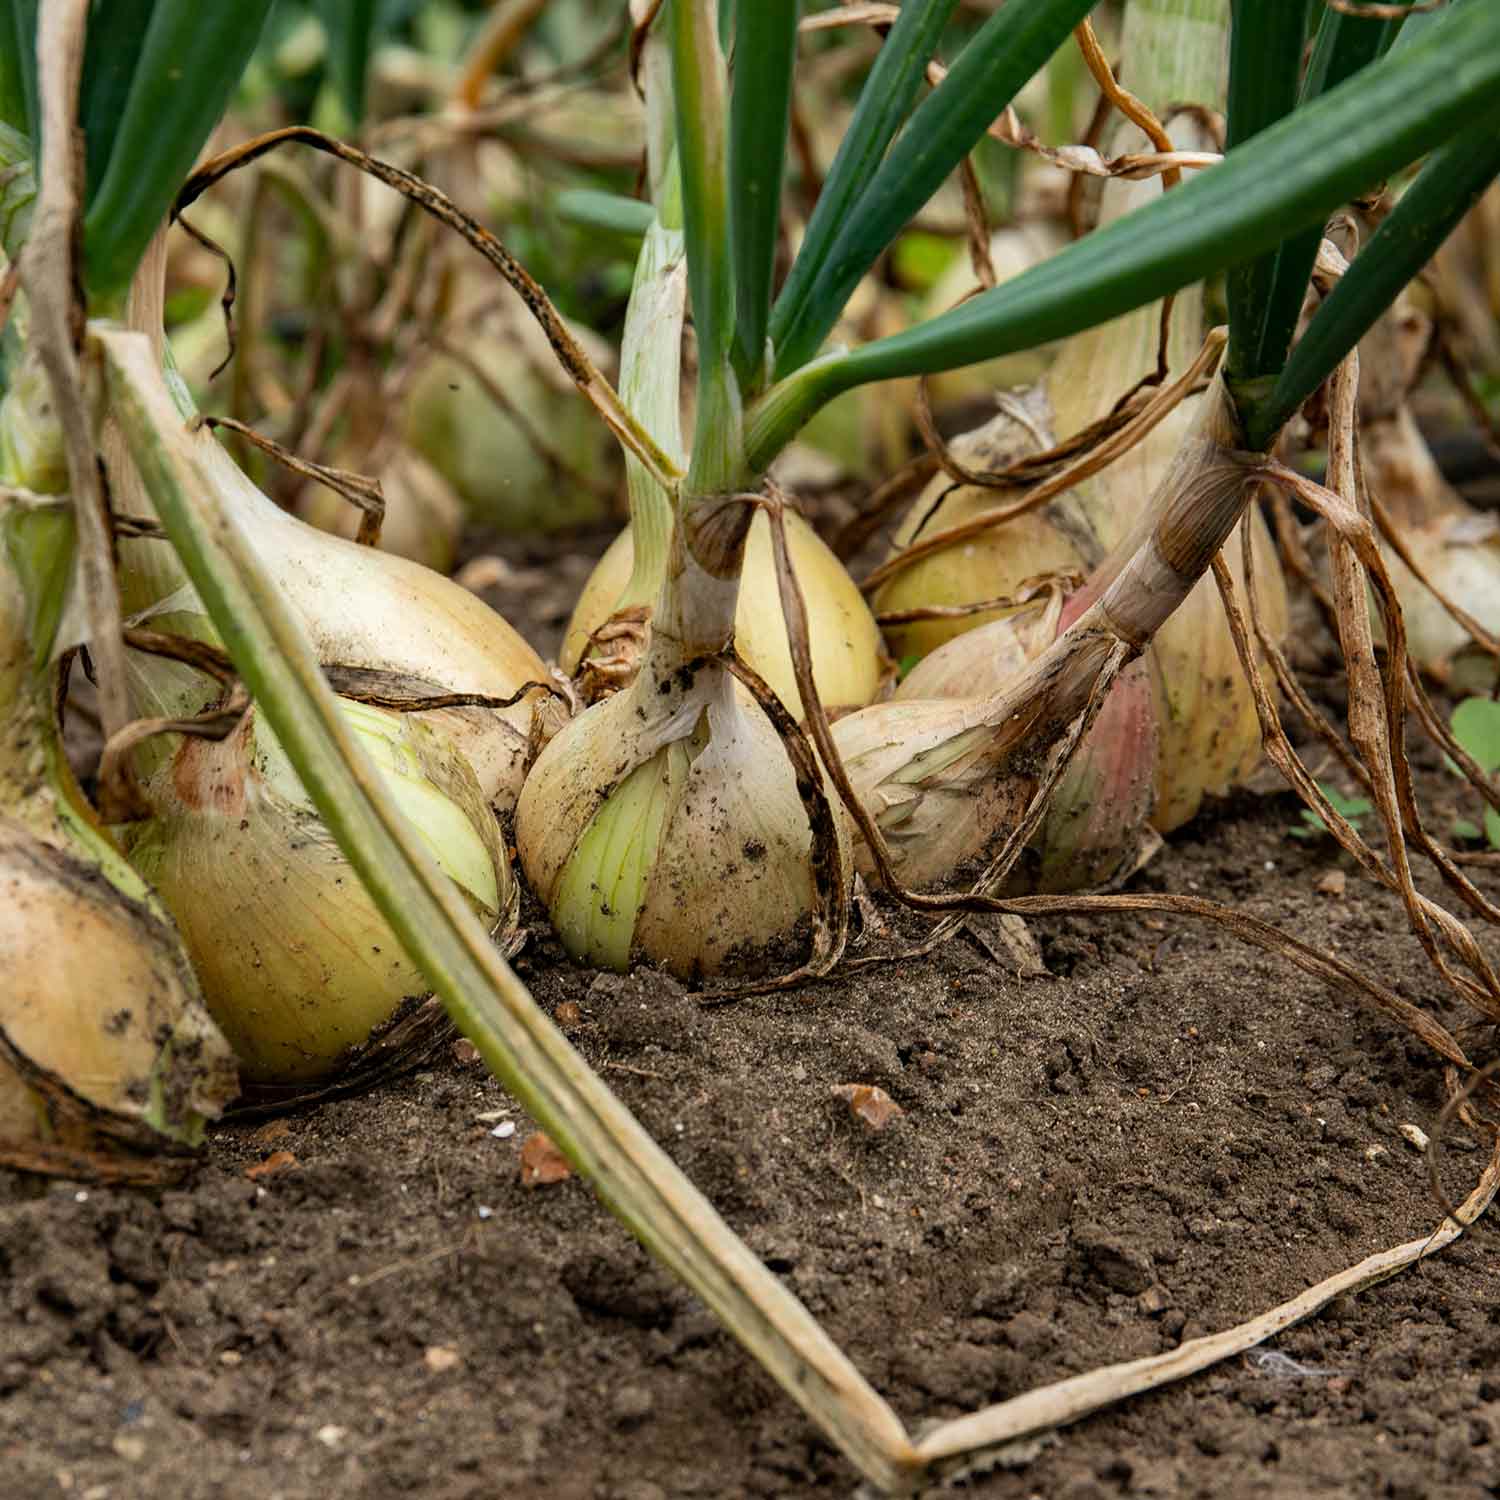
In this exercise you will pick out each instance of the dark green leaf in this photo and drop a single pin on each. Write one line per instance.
(18, 81)
(1265, 295)
(1445, 189)
(1265, 59)
(190, 61)
(1291, 175)
(116, 31)
(884, 103)
(353, 28)
(760, 109)
(1008, 51)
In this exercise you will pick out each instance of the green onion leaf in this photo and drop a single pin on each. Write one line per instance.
(760, 110)
(1445, 190)
(190, 61)
(884, 103)
(1265, 295)
(1290, 175)
(1010, 48)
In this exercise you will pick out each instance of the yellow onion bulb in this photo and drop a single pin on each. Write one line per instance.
(849, 665)
(298, 967)
(1094, 829)
(991, 565)
(423, 513)
(1457, 547)
(367, 610)
(102, 1032)
(664, 825)
(490, 453)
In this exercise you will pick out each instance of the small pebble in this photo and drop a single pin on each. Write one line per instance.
(504, 1130)
(1414, 1134)
(131, 1446)
(441, 1357)
(632, 1405)
(331, 1435)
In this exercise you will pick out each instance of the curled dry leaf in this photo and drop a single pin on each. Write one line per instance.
(869, 1104)
(542, 1163)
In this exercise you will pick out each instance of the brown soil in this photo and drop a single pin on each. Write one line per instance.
(1165, 1134)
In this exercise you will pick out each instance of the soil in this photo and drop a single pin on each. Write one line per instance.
(1163, 1134)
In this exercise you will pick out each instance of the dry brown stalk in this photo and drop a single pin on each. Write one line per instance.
(50, 272)
(359, 490)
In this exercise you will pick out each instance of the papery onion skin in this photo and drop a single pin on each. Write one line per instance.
(297, 965)
(104, 1040)
(99, 1000)
(849, 664)
(368, 609)
(713, 854)
(1456, 546)
(1094, 829)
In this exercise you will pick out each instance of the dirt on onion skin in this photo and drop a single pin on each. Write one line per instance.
(1165, 1135)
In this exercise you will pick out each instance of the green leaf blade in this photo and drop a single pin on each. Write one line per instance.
(884, 103)
(1265, 295)
(1009, 50)
(1289, 176)
(190, 61)
(352, 28)
(760, 112)
(1446, 188)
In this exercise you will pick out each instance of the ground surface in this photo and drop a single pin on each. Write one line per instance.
(1163, 1135)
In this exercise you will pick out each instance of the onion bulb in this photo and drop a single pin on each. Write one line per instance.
(847, 659)
(298, 966)
(105, 1045)
(996, 563)
(1095, 828)
(665, 825)
(366, 610)
(947, 779)
(1454, 545)
(423, 514)
(494, 455)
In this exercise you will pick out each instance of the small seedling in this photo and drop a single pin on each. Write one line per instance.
(1476, 726)
(1351, 808)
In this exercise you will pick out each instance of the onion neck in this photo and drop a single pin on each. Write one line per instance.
(650, 383)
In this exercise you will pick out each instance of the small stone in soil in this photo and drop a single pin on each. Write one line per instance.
(441, 1357)
(1332, 883)
(465, 1053)
(869, 1104)
(569, 1015)
(542, 1163)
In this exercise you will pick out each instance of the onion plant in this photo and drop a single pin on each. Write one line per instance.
(676, 791)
